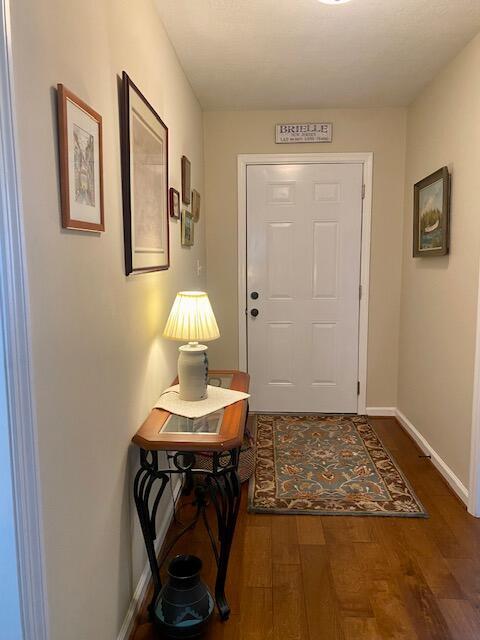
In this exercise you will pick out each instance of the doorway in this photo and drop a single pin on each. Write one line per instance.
(304, 230)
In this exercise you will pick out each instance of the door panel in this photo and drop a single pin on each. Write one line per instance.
(280, 260)
(280, 353)
(303, 258)
(323, 353)
(325, 259)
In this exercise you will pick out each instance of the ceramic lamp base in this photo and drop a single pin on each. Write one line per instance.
(193, 371)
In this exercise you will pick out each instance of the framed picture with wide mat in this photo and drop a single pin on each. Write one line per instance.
(145, 183)
(80, 159)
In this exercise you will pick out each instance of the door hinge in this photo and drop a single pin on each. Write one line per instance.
(358, 387)
(363, 191)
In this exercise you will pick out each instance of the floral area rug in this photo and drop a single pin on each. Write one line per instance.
(326, 465)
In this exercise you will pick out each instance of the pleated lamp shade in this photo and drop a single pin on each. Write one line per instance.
(191, 318)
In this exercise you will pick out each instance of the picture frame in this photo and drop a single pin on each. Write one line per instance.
(174, 203)
(81, 163)
(431, 215)
(144, 147)
(187, 230)
(186, 177)
(195, 205)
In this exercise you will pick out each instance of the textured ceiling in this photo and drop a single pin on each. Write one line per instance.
(262, 54)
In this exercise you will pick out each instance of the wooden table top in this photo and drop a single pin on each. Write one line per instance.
(229, 436)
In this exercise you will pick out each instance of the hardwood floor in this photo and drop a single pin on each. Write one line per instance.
(346, 578)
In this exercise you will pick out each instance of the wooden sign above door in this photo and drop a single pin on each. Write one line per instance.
(306, 132)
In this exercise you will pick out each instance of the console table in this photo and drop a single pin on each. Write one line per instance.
(220, 435)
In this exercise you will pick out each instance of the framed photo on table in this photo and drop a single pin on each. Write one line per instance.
(145, 183)
(80, 155)
(431, 215)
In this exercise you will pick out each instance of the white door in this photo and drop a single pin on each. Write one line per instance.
(304, 226)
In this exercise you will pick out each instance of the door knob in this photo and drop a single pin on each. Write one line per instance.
(254, 313)
(254, 295)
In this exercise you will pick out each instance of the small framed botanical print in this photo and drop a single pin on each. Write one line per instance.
(174, 203)
(195, 205)
(186, 169)
(431, 215)
(80, 150)
(145, 183)
(187, 229)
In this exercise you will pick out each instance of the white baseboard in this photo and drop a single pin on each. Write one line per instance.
(143, 582)
(459, 488)
(381, 411)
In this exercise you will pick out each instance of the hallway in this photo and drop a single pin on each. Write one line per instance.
(335, 578)
(342, 277)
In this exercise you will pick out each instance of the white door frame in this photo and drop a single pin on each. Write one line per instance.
(16, 319)
(244, 160)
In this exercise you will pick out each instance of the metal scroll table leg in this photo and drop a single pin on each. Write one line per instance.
(149, 483)
(223, 487)
(224, 492)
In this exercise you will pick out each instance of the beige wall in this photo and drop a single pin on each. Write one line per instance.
(99, 361)
(382, 131)
(439, 295)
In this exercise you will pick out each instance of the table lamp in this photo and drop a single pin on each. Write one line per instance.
(191, 318)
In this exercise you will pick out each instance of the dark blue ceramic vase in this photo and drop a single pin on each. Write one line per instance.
(185, 604)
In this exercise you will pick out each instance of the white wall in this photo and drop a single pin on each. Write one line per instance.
(383, 131)
(99, 361)
(439, 295)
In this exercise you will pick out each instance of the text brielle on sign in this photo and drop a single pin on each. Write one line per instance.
(303, 132)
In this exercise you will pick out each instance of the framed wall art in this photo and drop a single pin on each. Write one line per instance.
(186, 171)
(174, 203)
(187, 229)
(195, 205)
(431, 215)
(80, 155)
(145, 183)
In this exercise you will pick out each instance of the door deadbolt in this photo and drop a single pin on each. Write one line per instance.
(254, 295)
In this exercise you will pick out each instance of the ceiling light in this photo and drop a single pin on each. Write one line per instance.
(334, 1)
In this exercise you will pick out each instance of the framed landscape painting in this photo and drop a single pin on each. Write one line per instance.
(431, 216)
(80, 154)
(145, 183)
